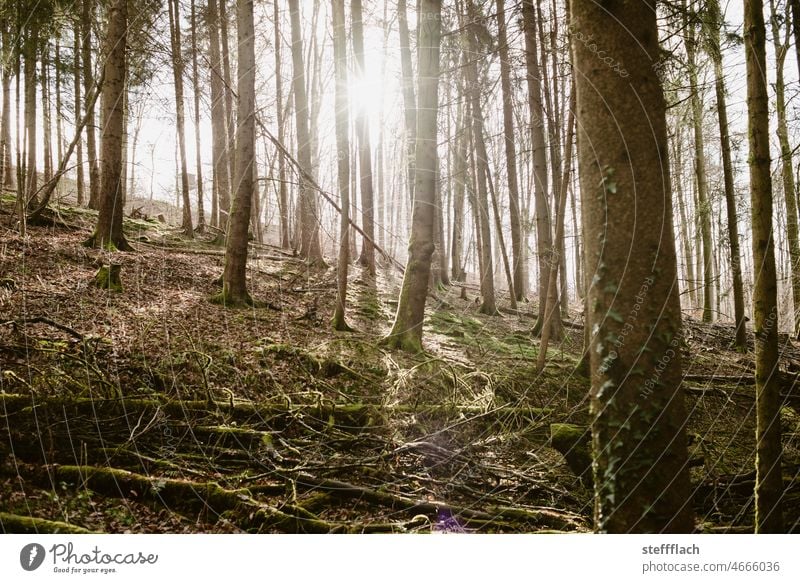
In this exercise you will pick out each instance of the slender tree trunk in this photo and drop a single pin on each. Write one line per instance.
(310, 248)
(219, 123)
(769, 483)
(367, 258)
(641, 480)
(87, 19)
(201, 214)
(511, 154)
(704, 204)
(787, 171)
(79, 177)
(47, 118)
(409, 100)
(551, 311)
(30, 47)
(343, 159)
(234, 278)
(544, 239)
(109, 222)
(283, 195)
(177, 69)
(488, 306)
(406, 332)
(460, 184)
(230, 114)
(59, 103)
(730, 192)
(6, 167)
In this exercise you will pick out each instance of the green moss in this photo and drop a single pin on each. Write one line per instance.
(573, 442)
(108, 277)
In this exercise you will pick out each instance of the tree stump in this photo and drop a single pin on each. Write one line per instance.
(108, 277)
(574, 443)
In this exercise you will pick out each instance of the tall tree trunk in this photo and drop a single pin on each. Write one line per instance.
(201, 214)
(177, 69)
(76, 63)
(511, 154)
(59, 102)
(87, 20)
(343, 159)
(309, 221)
(787, 171)
(230, 114)
(459, 188)
(30, 49)
(409, 100)
(727, 171)
(544, 239)
(641, 480)
(47, 118)
(551, 311)
(234, 278)
(488, 306)
(283, 195)
(6, 167)
(769, 483)
(406, 332)
(108, 233)
(704, 204)
(367, 258)
(219, 123)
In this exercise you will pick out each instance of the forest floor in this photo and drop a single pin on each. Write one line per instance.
(154, 410)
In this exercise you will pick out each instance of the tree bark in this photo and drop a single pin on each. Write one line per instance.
(704, 204)
(30, 52)
(234, 278)
(201, 214)
(343, 160)
(640, 460)
(310, 248)
(283, 195)
(727, 171)
(180, 115)
(769, 483)
(87, 19)
(544, 239)
(6, 167)
(787, 171)
(108, 234)
(219, 123)
(406, 332)
(409, 99)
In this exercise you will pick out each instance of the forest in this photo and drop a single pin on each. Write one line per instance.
(359, 266)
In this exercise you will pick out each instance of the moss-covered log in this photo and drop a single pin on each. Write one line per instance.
(15, 524)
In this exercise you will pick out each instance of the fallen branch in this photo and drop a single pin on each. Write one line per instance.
(15, 524)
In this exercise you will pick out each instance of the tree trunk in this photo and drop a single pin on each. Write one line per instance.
(6, 167)
(488, 306)
(234, 278)
(704, 204)
(201, 214)
(730, 192)
(406, 332)
(343, 159)
(87, 20)
(511, 154)
(30, 49)
(551, 309)
(640, 460)
(108, 234)
(47, 118)
(309, 221)
(177, 69)
(769, 483)
(219, 123)
(787, 171)
(367, 258)
(283, 195)
(459, 187)
(409, 100)
(230, 115)
(544, 239)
